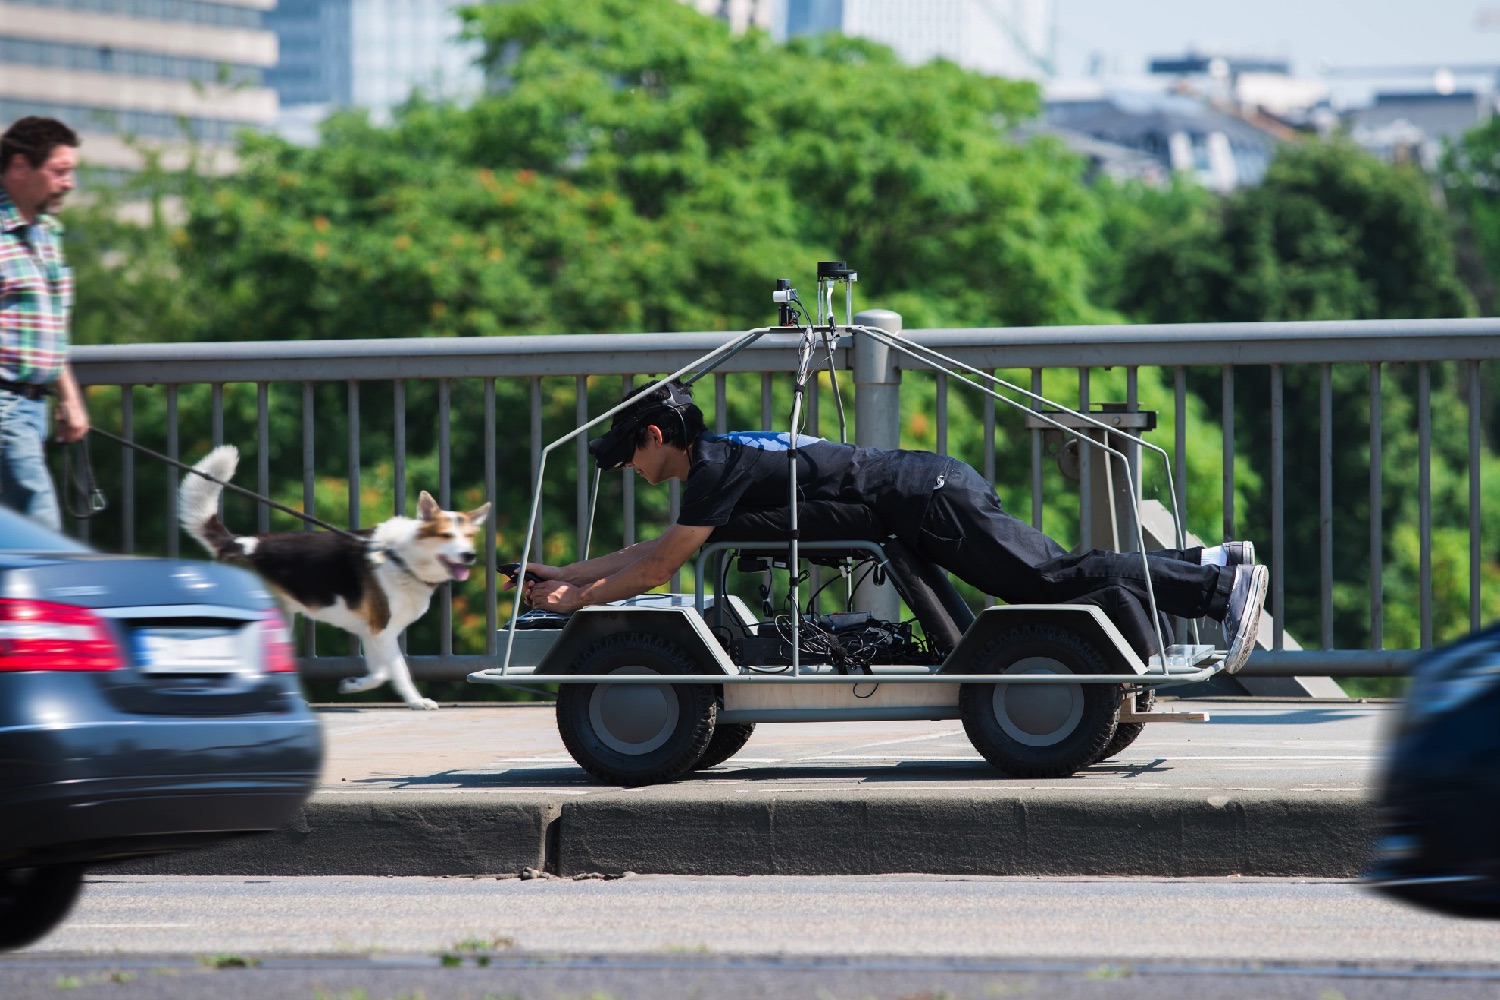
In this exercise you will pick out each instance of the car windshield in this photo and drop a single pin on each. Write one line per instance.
(19, 533)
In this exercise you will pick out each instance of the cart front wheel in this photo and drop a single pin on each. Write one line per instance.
(1040, 730)
(636, 734)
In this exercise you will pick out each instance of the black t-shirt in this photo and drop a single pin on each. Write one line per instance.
(749, 470)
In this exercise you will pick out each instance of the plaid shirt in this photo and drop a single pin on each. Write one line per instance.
(36, 296)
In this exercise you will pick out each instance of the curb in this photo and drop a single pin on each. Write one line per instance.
(1028, 832)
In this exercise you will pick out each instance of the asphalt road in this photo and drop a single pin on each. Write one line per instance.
(668, 936)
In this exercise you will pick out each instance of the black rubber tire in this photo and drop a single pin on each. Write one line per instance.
(35, 900)
(1125, 734)
(1083, 716)
(729, 739)
(684, 713)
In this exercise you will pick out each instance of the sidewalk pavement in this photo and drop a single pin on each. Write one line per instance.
(1265, 788)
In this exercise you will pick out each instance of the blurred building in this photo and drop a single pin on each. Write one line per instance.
(1000, 37)
(1183, 133)
(367, 54)
(741, 14)
(1411, 127)
(172, 74)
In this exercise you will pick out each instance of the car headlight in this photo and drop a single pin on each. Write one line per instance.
(1456, 675)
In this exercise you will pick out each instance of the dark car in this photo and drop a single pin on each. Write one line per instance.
(1439, 808)
(146, 706)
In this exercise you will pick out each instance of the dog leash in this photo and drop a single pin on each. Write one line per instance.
(98, 503)
(310, 519)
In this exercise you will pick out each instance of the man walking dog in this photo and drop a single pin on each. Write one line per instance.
(38, 157)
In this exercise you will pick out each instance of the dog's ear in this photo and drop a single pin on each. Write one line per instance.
(478, 514)
(427, 508)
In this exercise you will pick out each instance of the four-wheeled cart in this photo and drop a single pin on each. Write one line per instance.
(655, 687)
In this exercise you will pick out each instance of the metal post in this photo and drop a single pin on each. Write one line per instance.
(877, 424)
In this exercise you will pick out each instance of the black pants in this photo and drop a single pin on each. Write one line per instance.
(962, 528)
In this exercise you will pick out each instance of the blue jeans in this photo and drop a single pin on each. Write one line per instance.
(25, 482)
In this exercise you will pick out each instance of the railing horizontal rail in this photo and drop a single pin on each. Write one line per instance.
(1366, 341)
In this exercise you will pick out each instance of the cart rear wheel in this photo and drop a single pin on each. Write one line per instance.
(1040, 730)
(636, 734)
(729, 739)
(1125, 734)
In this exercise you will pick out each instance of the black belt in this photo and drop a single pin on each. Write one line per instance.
(31, 390)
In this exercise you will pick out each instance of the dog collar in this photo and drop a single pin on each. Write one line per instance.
(391, 555)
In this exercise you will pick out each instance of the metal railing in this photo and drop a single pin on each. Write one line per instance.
(273, 371)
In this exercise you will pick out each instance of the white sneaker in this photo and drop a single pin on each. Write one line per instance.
(1243, 617)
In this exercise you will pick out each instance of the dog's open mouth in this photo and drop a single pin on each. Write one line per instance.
(459, 571)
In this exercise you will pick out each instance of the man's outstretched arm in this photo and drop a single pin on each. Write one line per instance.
(652, 566)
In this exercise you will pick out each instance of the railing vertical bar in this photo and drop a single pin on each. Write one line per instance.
(351, 402)
(813, 409)
(491, 595)
(536, 462)
(127, 471)
(940, 398)
(308, 498)
(307, 452)
(989, 436)
(353, 453)
(987, 410)
(1325, 504)
(1476, 559)
(674, 507)
(582, 479)
(1038, 442)
(1179, 448)
(1377, 540)
(1184, 627)
(398, 441)
(445, 443)
(1226, 424)
(172, 473)
(263, 453)
(721, 403)
(445, 501)
(627, 477)
(216, 405)
(1278, 504)
(1424, 496)
(1085, 471)
(1131, 449)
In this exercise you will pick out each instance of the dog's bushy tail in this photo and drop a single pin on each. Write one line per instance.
(198, 499)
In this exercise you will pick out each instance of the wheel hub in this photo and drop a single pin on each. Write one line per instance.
(633, 718)
(1038, 715)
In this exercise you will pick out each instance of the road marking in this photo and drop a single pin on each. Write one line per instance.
(75, 926)
(540, 790)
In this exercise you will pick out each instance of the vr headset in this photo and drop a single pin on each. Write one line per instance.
(616, 448)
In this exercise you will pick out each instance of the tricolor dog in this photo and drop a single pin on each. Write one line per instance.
(373, 587)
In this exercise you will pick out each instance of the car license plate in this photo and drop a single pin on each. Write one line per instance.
(189, 651)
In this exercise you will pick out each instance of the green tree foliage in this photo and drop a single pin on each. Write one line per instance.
(1330, 233)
